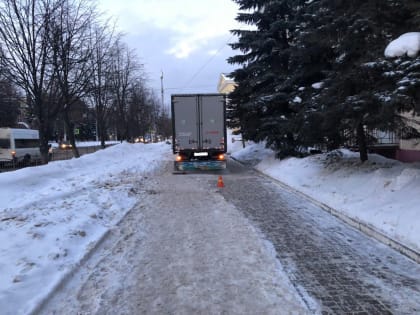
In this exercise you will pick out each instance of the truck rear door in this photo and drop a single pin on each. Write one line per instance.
(212, 120)
(186, 116)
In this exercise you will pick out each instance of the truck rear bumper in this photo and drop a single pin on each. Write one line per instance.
(199, 165)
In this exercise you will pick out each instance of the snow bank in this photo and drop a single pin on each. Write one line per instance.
(407, 44)
(52, 215)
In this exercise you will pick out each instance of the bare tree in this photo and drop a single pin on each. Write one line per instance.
(124, 68)
(9, 104)
(25, 29)
(70, 38)
(101, 42)
(140, 110)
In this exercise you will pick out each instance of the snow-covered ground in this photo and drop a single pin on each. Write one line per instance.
(380, 193)
(52, 215)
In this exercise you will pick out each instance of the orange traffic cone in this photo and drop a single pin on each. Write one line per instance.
(220, 183)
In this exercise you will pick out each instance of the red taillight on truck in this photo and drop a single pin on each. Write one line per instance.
(221, 157)
(178, 158)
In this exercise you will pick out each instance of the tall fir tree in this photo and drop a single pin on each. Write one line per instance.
(313, 72)
(356, 93)
(260, 105)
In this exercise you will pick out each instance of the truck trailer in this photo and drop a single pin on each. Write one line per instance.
(199, 131)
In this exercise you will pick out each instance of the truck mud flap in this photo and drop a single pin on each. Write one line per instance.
(200, 165)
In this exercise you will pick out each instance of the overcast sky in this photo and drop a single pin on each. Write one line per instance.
(186, 39)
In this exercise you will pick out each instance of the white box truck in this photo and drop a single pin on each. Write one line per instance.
(19, 146)
(199, 131)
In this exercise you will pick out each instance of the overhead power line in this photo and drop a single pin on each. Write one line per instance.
(208, 61)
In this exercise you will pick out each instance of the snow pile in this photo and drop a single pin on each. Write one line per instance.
(251, 154)
(407, 44)
(51, 215)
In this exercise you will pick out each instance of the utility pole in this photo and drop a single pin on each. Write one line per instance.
(162, 93)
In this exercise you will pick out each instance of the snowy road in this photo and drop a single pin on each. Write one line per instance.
(181, 250)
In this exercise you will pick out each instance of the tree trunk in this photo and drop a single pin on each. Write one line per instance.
(361, 142)
(42, 126)
(43, 143)
(101, 128)
(70, 133)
